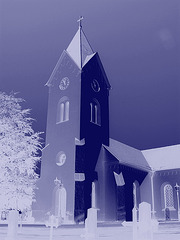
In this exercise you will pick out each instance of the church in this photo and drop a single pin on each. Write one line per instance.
(82, 166)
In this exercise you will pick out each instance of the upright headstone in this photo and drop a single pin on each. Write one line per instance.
(135, 224)
(145, 231)
(91, 220)
(91, 224)
(12, 225)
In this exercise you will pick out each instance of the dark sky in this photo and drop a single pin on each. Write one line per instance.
(138, 42)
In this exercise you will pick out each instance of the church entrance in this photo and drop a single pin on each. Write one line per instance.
(60, 202)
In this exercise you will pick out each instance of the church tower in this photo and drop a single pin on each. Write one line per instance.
(77, 126)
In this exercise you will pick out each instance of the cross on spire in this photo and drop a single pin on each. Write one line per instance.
(80, 20)
(79, 49)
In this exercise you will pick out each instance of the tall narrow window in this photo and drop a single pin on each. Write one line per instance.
(168, 196)
(62, 110)
(92, 112)
(95, 112)
(66, 112)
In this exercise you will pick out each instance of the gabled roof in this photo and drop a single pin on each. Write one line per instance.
(163, 158)
(127, 155)
(157, 159)
(79, 49)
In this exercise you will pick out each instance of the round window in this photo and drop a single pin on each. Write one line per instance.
(60, 158)
(95, 85)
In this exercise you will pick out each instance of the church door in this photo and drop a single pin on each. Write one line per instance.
(60, 203)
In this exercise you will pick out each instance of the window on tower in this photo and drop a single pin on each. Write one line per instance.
(63, 110)
(95, 112)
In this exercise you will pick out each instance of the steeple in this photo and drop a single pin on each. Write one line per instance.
(79, 49)
(77, 126)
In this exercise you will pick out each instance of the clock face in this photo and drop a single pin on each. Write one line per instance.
(60, 158)
(64, 83)
(95, 85)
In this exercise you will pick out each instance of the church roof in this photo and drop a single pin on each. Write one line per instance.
(79, 49)
(157, 159)
(163, 158)
(127, 155)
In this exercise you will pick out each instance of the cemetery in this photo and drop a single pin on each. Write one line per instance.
(143, 229)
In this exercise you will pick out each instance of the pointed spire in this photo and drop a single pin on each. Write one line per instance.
(79, 49)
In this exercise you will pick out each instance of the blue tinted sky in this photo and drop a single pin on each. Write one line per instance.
(138, 42)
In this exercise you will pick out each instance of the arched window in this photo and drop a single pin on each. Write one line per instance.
(95, 112)
(63, 110)
(168, 196)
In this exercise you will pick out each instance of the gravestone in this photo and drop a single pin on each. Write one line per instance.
(145, 231)
(91, 220)
(12, 225)
(135, 224)
(91, 224)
